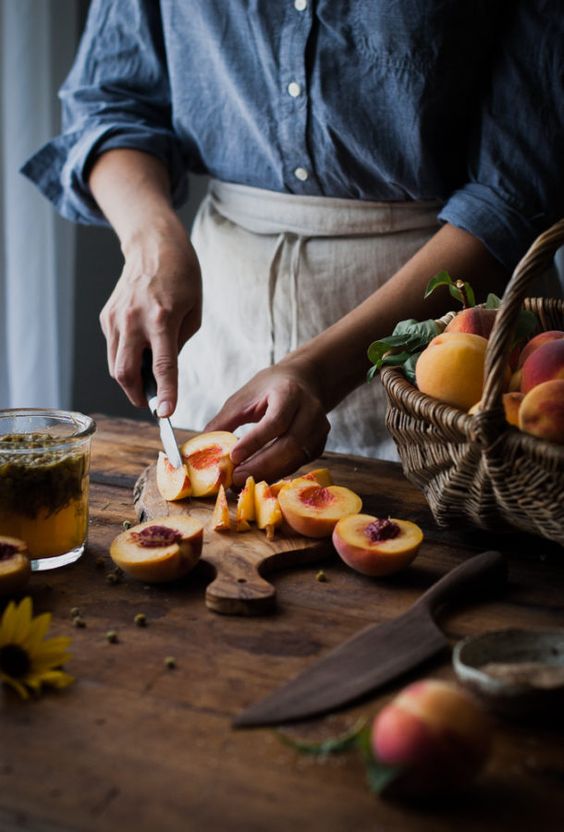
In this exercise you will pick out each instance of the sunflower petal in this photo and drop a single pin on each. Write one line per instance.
(8, 624)
(24, 615)
(37, 631)
(57, 679)
(20, 689)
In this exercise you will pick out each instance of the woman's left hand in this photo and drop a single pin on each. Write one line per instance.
(291, 426)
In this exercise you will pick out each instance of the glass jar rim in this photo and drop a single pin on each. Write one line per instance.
(85, 424)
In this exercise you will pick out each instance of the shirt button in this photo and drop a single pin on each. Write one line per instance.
(294, 89)
(301, 174)
(300, 5)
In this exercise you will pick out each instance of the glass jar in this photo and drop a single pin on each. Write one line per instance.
(44, 465)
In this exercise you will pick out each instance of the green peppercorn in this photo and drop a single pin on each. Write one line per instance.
(112, 637)
(141, 619)
(170, 662)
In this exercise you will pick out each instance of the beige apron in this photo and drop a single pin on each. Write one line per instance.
(277, 270)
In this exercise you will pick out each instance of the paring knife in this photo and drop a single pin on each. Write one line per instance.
(150, 389)
(379, 653)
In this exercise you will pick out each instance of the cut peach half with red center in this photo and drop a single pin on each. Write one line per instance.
(376, 546)
(159, 550)
(313, 510)
(208, 459)
(322, 476)
(173, 483)
(15, 566)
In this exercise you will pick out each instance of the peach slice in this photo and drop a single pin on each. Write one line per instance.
(322, 476)
(313, 510)
(15, 565)
(173, 483)
(159, 550)
(246, 512)
(374, 546)
(221, 521)
(277, 486)
(209, 463)
(267, 509)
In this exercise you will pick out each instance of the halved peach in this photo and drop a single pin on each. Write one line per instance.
(313, 510)
(209, 463)
(15, 565)
(267, 509)
(246, 512)
(375, 546)
(221, 521)
(159, 550)
(173, 483)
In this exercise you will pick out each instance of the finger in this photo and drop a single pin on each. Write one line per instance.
(304, 441)
(127, 370)
(278, 416)
(111, 335)
(165, 370)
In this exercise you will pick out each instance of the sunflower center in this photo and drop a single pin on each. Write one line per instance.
(14, 661)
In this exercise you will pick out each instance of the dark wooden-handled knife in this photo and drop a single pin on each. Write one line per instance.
(380, 652)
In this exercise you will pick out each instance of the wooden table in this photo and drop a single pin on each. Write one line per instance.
(136, 746)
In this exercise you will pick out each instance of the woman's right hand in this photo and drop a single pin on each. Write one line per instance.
(156, 303)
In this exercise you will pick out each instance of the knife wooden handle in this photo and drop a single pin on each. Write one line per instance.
(476, 575)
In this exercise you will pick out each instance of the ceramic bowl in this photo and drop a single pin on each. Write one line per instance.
(516, 672)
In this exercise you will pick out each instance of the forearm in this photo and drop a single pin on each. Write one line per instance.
(336, 361)
(132, 189)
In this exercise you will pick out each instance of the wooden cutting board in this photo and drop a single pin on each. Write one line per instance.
(239, 559)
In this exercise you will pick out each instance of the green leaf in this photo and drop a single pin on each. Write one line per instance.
(409, 366)
(333, 745)
(492, 301)
(527, 323)
(379, 775)
(456, 294)
(440, 279)
(421, 329)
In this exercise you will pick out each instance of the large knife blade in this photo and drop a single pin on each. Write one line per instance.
(168, 439)
(379, 653)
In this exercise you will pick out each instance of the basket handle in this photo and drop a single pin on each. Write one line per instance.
(535, 262)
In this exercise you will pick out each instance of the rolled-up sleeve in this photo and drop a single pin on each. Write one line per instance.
(117, 95)
(515, 188)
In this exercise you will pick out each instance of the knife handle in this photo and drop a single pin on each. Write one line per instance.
(147, 377)
(478, 574)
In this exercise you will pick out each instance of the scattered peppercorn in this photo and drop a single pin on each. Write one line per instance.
(141, 619)
(100, 562)
(75, 612)
(127, 524)
(321, 577)
(170, 662)
(112, 636)
(78, 621)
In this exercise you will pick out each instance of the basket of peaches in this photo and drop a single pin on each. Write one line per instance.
(476, 403)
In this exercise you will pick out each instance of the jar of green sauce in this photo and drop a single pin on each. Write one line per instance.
(44, 465)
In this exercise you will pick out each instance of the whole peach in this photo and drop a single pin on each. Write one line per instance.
(542, 411)
(538, 341)
(437, 736)
(511, 406)
(451, 368)
(543, 364)
(475, 320)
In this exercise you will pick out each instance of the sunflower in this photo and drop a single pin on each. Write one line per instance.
(28, 660)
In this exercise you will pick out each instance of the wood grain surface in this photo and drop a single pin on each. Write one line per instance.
(238, 560)
(135, 746)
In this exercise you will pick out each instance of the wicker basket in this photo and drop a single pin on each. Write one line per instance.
(477, 470)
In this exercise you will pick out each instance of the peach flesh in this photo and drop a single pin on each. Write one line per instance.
(15, 565)
(206, 457)
(313, 510)
(161, 550)
(376, 547)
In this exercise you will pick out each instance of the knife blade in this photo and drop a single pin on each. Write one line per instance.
(168, 439)
(379, 653)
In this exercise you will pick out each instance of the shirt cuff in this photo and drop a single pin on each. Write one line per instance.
(60, 169)
(504, 230)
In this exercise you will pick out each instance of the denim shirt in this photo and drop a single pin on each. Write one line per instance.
(384, 100)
